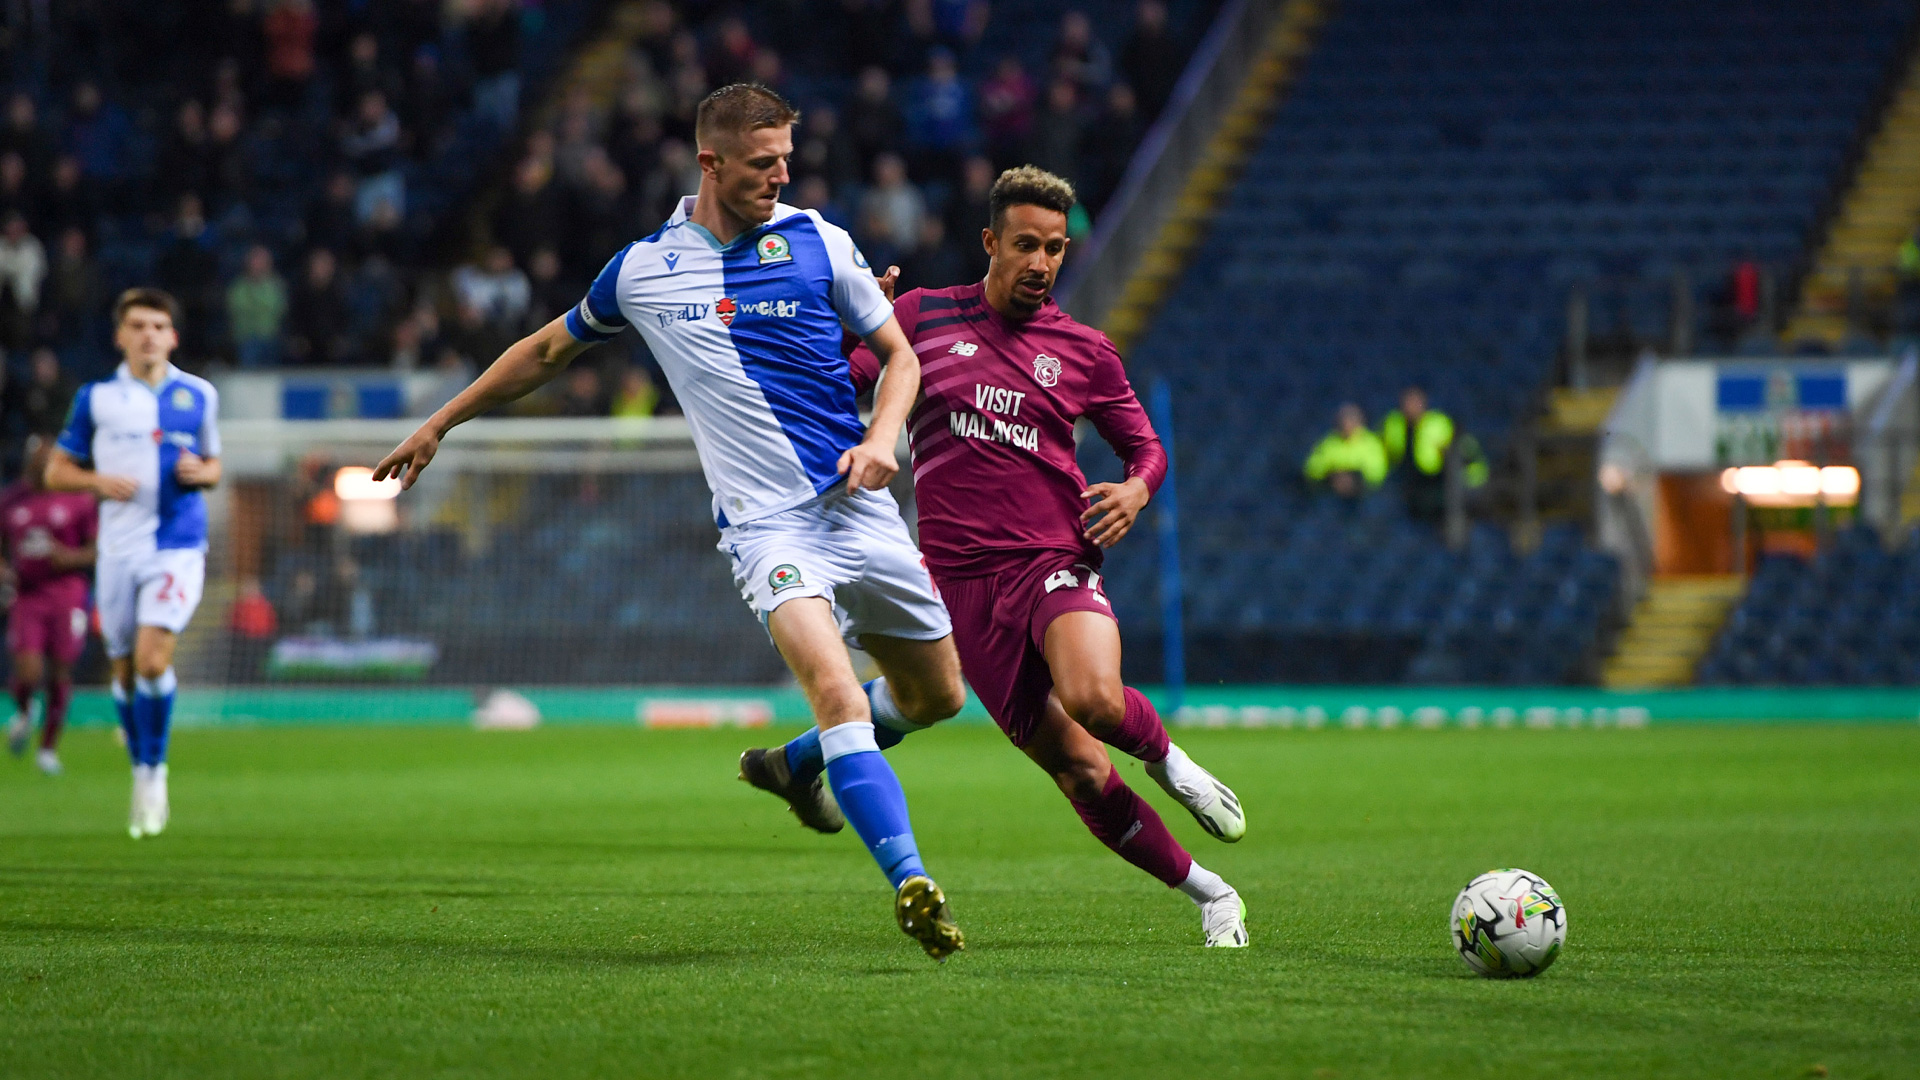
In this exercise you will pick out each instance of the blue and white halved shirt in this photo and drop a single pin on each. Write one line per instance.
(748, 334)
(125, 427)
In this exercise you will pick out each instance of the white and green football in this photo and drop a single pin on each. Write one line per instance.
(1508, 924)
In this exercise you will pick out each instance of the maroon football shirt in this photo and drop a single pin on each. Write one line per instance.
(993, 465)
(32, 521)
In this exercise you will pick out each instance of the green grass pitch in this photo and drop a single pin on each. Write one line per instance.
(604, 902)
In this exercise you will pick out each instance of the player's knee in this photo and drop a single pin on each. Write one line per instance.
(932, 704)
(148, 666)
(1096, 708)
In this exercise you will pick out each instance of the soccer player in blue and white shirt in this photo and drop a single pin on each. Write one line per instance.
(742, 300)
(146, 442)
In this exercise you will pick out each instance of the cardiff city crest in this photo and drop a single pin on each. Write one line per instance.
(1046, 370)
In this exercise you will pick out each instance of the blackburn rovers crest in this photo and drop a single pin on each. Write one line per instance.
(1046, 370)
(784, 576)
(773, 248)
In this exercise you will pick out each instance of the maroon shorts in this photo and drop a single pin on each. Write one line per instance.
(50, 623)
(1000, 627)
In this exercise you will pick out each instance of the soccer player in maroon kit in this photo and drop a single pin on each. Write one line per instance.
(49, 538)
(1015, 547)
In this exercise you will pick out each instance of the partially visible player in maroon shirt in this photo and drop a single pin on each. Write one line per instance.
(1014, 534)
(49, 545)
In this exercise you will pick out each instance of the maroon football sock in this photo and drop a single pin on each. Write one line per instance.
(59, 693)
(23, 696)
(1141, 734)
(1124, 822)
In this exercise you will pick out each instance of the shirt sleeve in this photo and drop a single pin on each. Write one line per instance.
(862, 365)
(77, 437)
(597, 317)
(857, 298)
(210, 425)
(1116, 414)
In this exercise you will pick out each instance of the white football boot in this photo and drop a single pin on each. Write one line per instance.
(1212, 803)
(1224, 919)
(19, 730)
(48, 761)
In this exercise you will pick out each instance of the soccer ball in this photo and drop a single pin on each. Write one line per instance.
(1508, 924)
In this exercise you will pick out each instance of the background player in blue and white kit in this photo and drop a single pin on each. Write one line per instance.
(146, 442)
(742, 300)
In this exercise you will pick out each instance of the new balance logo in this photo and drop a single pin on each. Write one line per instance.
(964, 348)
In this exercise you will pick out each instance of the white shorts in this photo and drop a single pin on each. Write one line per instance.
(159, 588)
(853, 551)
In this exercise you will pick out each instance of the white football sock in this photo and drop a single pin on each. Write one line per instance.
(842, 739)
(886, 711)
(1203, 885)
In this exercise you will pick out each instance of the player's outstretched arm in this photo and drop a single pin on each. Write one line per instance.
(527, 365)
(871, 464)
(66, 474)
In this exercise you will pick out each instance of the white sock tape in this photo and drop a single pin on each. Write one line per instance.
(842, 739)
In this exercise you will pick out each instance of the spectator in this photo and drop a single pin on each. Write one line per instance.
(891, 211)
(1006, 110)
(677, 175)
(934, 263)
(814, 194)
(228, 171)
(370, 144)
(42, 404)
(968, 212)
(553, 294)
(256, 310)
(637, 396)
(74, 295)
(583, 394)
(182, 166)
(330, 219)
(97, 133)
(17, 194)
(1151, 60)
(254, 625)
(428, 104)
(22, 135)
(1418, 441)
(873, 121)
(23, 267)
(289, 29)
(1079, 56)
(825, 151)
(767, 70)
(1350, 460)
(189, 268)
(363, 74)
(1112, 140)
(530, 216)
(941, 123)
(72, 203)
(493, 48)
(495, 288)
(730, 60)
(600, 215)
(317, 313)
(1058, 133)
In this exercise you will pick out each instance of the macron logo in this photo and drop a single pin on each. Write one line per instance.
(673, 261)
(964, 348)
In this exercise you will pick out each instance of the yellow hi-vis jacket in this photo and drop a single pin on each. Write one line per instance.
(1363, 454)
(1432, 435)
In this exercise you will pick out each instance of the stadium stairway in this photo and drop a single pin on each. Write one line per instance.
(1288, 42)
(1672, 629)
(1877, 213)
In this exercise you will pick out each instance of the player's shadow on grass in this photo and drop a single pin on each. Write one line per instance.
(460, 952)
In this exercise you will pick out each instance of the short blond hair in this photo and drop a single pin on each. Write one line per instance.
(739, 108)
(1028, 185)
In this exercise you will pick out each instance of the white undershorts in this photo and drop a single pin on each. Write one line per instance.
(850, 549)
(158, 588)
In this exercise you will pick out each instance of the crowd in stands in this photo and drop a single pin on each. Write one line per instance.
(316, 179)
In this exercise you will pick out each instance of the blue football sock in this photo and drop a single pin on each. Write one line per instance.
(153, 715)
(869, 795)
(803, 752)
(123, 708)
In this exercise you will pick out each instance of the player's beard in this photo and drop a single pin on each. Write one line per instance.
(1023, 302)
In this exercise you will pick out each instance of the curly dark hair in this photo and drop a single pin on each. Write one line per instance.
(1028, 185)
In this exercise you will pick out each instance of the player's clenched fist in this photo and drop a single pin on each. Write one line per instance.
(409, 458)
(868, 465)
